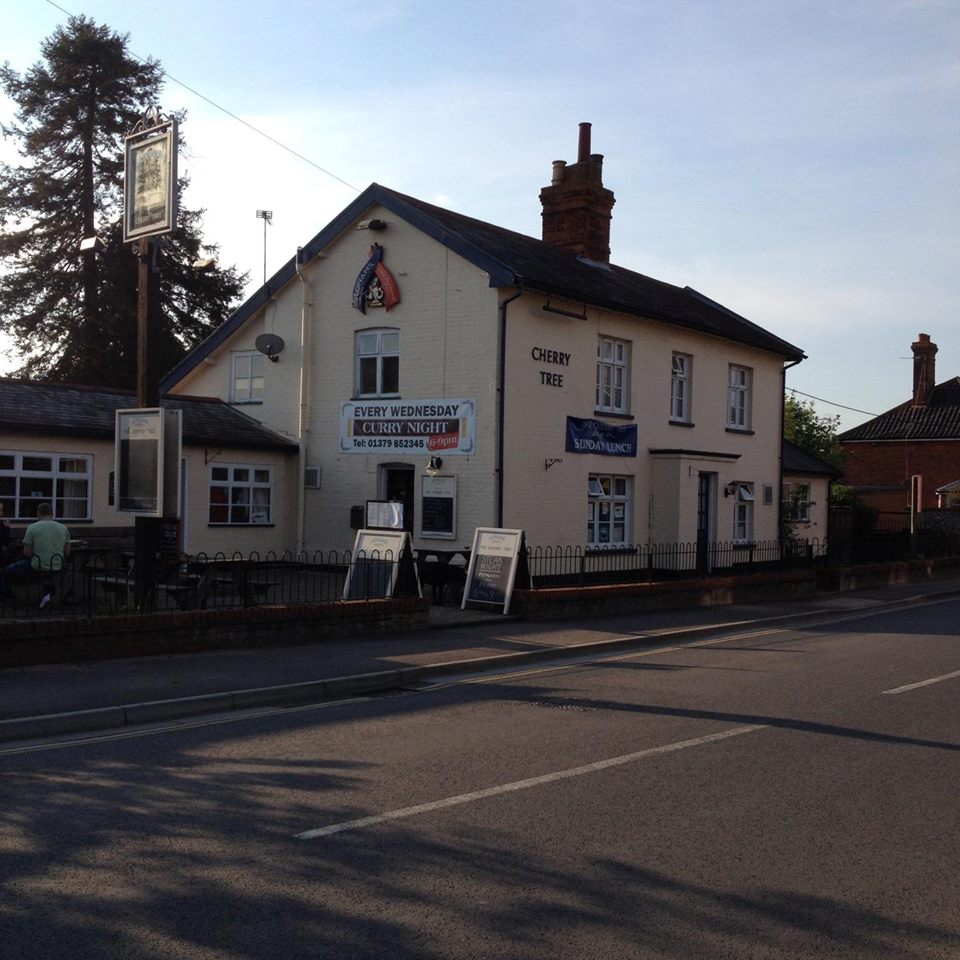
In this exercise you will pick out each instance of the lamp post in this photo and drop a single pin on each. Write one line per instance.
(267, 217)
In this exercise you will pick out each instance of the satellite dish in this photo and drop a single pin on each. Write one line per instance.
(270, 344)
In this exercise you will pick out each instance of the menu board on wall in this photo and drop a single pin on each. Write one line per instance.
(493, 567)
(438, 508)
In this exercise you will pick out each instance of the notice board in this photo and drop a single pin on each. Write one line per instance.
(375, 564)
(493, 567)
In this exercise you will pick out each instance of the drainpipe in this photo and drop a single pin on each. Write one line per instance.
(303, 423)
(501, 386)
(783, 404)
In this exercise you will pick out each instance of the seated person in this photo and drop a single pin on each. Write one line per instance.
(46, 543)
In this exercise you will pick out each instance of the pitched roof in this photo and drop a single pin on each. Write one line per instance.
(938, 420)
(53, 409)
(796, 460)
(513, 259)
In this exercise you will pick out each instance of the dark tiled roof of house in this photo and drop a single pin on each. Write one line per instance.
(796, 460)
(51, 409)
(938, 420)
(513, 259)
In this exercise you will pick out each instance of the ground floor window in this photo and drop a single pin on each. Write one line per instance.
(241, 494)
(608, 510)
(796, 501)
(743, 513)
(61, 479)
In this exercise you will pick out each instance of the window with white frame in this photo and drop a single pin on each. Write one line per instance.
(796, 502)
(378, 363)
(743, 513)
(608, 510)
(64, 480)
(680, 381)
(739, 397)
(613, 367)
(240, 494)
(246, 376)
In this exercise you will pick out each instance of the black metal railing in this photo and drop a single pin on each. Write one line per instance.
(96, 581)
(100, 582)
(585, 566)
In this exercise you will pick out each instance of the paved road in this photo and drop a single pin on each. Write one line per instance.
(784, 794)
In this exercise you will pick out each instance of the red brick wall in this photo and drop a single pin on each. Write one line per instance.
(893, 463)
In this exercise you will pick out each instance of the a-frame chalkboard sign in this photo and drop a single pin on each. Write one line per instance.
(495, 559)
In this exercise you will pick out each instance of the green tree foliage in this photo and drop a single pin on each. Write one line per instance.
(72, 315)
(816, 435)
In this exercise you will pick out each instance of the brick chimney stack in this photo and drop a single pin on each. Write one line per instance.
(576, 206)
(924, 369)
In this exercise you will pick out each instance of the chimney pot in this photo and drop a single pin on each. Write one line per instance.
(558, 168)
(583, 150)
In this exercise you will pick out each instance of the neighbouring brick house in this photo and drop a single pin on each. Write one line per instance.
(904, 456)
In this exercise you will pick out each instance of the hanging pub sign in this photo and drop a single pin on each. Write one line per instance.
(150, 178)
(375, 285)
(407, 426)
(594, 436)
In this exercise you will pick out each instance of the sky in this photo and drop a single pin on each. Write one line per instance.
(796, 160)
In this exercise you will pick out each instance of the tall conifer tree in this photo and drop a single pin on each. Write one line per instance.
(72, 315)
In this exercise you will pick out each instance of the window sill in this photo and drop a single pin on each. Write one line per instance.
(681, 423)
(613, 415)
(246, 403)
(257, 525)
(743, 430)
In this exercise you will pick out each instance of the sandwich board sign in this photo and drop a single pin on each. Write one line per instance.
(493, 567)
(376, 566)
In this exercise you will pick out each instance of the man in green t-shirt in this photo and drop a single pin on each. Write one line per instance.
(46, 544)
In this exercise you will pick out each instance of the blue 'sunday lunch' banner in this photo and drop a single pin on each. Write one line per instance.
(594, 436)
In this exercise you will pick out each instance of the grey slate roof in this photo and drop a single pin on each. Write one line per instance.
(513, 259)
(51, 409)
(938, 420)
(796, 460)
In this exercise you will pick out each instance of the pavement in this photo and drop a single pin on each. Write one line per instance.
(56, 699)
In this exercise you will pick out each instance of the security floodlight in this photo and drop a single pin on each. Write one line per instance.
(92, 243)
(207, 263)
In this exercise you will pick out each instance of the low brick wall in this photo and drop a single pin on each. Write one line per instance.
(62, 640)
(886, 574)
(560, 602)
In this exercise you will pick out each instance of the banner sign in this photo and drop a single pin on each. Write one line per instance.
(593, 436)
(375, 283)
(407, 426)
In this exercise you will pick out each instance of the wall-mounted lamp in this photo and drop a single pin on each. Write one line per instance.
(94, 244)
(730, 489)
(433, 466)
(204, 264)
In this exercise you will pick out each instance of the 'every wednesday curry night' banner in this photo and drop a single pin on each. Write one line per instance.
(443, 427)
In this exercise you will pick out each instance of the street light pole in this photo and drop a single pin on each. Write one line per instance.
(267, 217)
